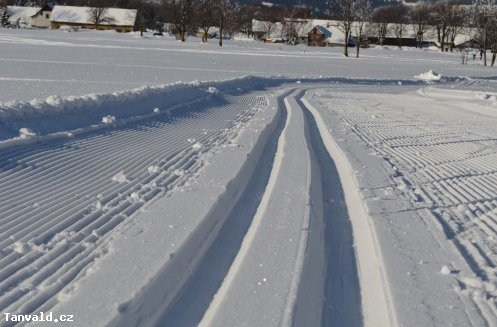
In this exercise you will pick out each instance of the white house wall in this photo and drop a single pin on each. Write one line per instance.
(41, 19)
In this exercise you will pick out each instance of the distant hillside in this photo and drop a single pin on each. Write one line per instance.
(319, 7)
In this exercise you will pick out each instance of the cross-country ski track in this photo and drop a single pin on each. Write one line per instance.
(314, 224)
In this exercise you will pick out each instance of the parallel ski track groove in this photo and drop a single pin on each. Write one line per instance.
(31, 176)
(453, 170)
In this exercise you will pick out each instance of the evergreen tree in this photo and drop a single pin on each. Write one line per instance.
(4, 17)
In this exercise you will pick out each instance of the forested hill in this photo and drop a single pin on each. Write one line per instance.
(319, 6)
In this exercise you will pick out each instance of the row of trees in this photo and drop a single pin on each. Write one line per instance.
(186, 16)
(202, 14)
(449, 18)
(230, 16)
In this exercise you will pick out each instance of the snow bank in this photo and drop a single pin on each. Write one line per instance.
(55, 116)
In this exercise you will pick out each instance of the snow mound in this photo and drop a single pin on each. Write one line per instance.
(445, 270)
(429, 76)
(21, 248)
(120, 178)
(26, 133)
(212, 90)
(109, 119)
(154, 169)
(484, 96)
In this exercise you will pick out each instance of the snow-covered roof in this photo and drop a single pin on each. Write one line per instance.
(81, 15)
(22, 13)
(276, 30)
(325, 31)
(329, 28)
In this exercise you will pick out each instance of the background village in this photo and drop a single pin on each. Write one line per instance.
(447, 25)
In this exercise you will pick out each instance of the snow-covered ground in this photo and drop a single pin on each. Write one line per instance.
(146, 182)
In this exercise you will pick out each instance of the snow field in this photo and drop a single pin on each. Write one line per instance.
(76, 194)
(132, 205)
(445, 170)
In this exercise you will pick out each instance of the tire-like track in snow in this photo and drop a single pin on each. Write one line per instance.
(319, 282)
(342, 298)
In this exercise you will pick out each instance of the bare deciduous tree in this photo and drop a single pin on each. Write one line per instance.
(447, 16)
(225, 12)
(99, 16)
(182, 14)
(147, 13)
(483, 19)
(363, 13)
(400, 22)
(457, 22)
(492, 35)
(381, 18)
(268, 16)
(98, 13)
(243, 19)
(420, 19)
(293, 25)
(343, 10)
(204, 16)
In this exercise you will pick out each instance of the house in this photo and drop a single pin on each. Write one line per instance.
(472, 43)
(121, 20)
(42, 18)
(318, 36)
(21, 16)
(326, 33)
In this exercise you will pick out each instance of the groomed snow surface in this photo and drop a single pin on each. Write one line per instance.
(146, 182)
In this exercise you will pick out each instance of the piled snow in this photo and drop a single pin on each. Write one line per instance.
(212, 90)
(26, 133)
(429, 76)
(120, 177)
(445, 270)
(109, 119)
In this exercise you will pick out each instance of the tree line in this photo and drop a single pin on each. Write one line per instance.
(186, 16)
(448, 18)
